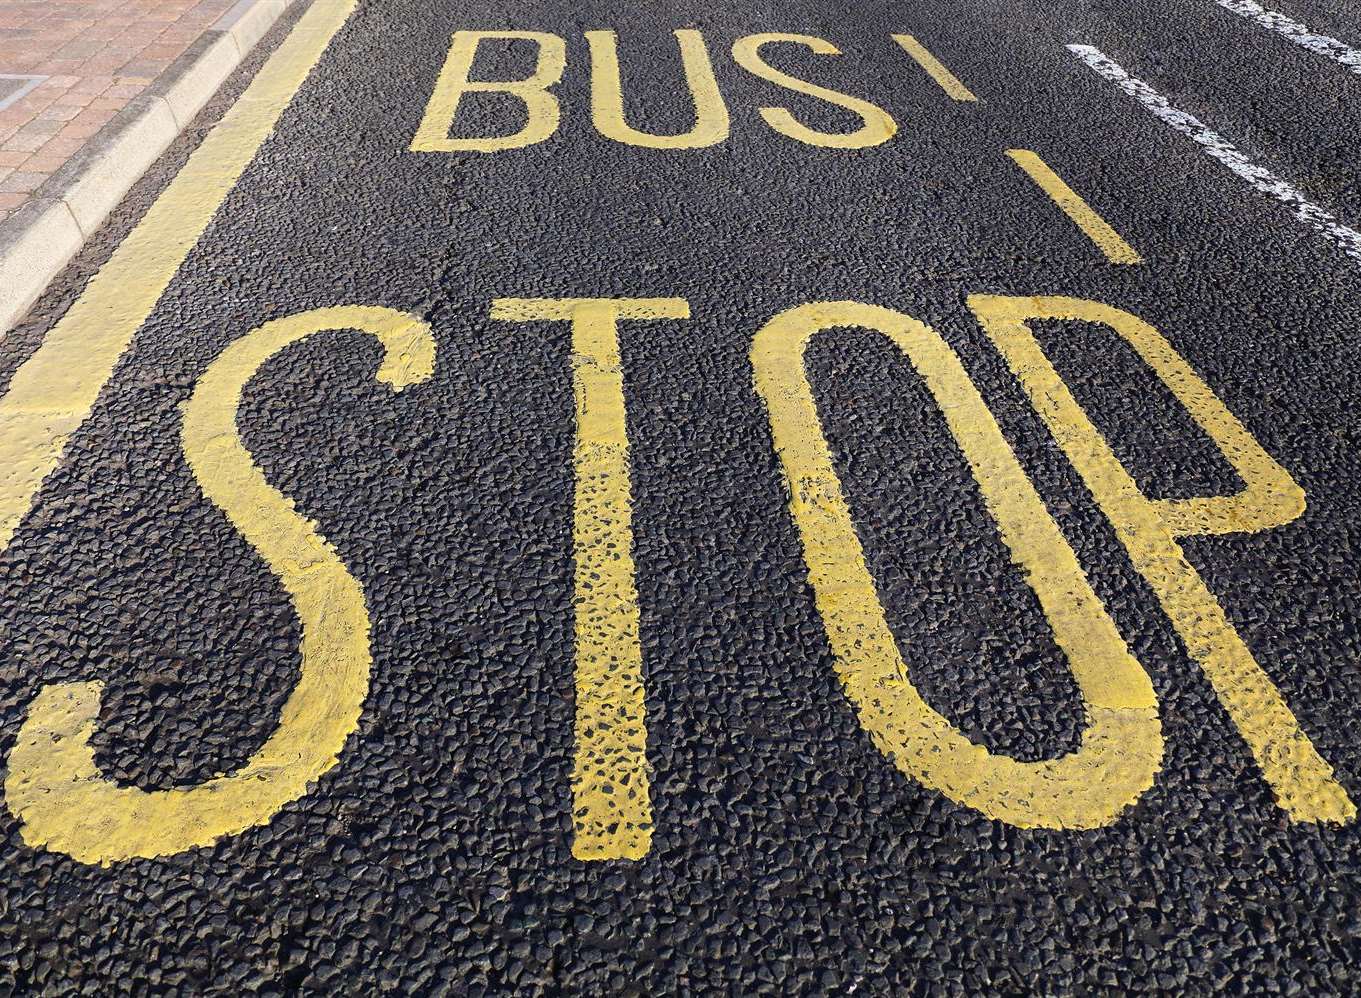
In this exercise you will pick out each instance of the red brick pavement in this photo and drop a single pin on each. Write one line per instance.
(96, 55)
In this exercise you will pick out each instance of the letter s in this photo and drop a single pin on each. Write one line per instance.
(55, 788)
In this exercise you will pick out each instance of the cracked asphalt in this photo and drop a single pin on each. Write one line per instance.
(785, 853)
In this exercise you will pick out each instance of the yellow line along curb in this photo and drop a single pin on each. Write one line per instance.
(52, 392)
(45, 234)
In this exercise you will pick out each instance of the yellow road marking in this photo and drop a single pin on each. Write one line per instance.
(541, 107)
(1302, 781)
(878, 126)
(612, 804)
(946, 80)
(56, 789)
(53, 391)
(1096, 228)
(607, 96)
(1121, 749)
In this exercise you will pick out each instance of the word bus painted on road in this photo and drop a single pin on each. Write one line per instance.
(712, 124)
(65, 803)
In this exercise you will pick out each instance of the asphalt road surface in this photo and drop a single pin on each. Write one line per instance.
(638, 523)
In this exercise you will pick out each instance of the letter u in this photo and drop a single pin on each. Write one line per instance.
(607, 96)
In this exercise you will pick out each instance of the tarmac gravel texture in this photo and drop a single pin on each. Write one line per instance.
(787, 853)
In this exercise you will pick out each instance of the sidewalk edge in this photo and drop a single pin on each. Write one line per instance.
(45, 234)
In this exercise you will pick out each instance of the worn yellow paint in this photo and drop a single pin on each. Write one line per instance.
(541, 107)
(607, 95)
(878, 127)
(611, 797)
(945, 79)
(1121, 748)
(1148, 528)
(1093, 226)
(53, 391)
(56, 789)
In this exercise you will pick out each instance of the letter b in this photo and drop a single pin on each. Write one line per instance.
(541, 107)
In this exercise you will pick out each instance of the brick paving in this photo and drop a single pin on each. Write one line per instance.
(94, 56)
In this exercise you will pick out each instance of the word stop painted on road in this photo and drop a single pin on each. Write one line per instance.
(844, 500)
(65, 803)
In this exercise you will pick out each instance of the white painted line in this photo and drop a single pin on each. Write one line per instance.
(23, 90)
(1216, 146)
(1324, 45)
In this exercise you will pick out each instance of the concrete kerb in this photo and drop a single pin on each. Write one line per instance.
(43, 236)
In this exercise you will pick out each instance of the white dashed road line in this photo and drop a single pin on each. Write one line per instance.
(1216, 146)
(1324, 45)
